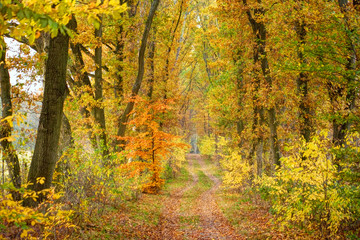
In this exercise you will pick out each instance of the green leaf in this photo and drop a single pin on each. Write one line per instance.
(28, 13)
(9, 12)
(3, 10)
(31, 38)
(43, 22)
(69, 32)
(94, 21)
(54, 33)
(36, 16)
(20, 14)
(62, 30)
(53, 25)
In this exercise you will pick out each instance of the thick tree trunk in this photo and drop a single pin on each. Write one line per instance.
(99, 109)
(47, 141)
(259, 32)
(274, 146)
(8, 150)
(258, 121)
(139, 78)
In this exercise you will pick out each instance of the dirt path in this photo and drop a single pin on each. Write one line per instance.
(169, 220)
(212, 223)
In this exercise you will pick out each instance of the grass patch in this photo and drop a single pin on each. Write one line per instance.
(188, 201)
(203, 184)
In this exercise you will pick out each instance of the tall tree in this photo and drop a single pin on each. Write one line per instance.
(260, 57)
(47, 141)
(348, 89)
(8, 150)
(140, 75)
(99, 108)
(303, 77)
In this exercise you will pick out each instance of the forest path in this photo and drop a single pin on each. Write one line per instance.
(192, 212)
(169, 219)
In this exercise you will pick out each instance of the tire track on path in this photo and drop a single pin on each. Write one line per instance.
(169, 220)
(213, 224)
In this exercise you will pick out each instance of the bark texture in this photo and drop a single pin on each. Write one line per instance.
(47, 141)
(7, 147)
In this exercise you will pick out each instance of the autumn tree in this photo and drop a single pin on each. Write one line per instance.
(140, 73)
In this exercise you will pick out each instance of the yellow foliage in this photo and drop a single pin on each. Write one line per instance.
(307, 190)
(207, 145)
(49, 217)
(173, 163)
(237, 171)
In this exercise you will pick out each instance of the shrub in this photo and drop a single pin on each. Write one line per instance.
(308, 191)
(237, 171)
(50, 220)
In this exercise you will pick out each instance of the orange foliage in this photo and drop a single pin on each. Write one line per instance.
(147, 144)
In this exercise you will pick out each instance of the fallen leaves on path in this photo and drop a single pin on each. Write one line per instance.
(169, 220)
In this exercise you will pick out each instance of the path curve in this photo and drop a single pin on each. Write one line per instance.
(213, 223)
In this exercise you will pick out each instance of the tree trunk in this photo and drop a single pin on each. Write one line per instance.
(120, 57)
(119, 51)
(240, 92)
(9, 153)
(47, 141)
(260, 32)
(66, 141)
(99, 109)
(259, 159)
(152, 67)
(139, 78)
(302, 84)
(82, 81)
(168, 53)
(347, 90)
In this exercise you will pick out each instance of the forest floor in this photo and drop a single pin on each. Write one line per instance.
(191, 206)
